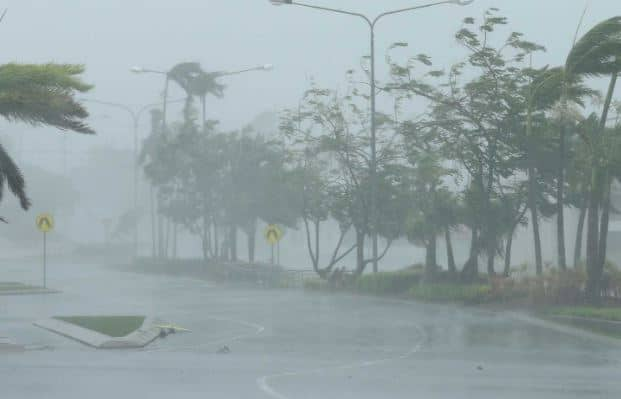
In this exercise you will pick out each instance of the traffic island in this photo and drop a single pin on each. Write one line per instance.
(106, 332)
(14, 288)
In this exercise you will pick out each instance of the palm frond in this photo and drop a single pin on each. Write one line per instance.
(598, 52)
(43, 105)
(14, 178)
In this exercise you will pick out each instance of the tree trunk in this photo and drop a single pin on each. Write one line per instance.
(206, 237)
(491, 255)
(205, 242)
(359, 252)
(160, 231)
(431, 256)
(598, 186)
(605, 219)
(471, 268)
(607, 186)
(579, 234)
(233, 243)
(450, 258)
(560, 187)
(153, 229)
(167, 237)
(174, 242)
(216, 240)
(532, 205)
(251, 235)
(508, 246)
(592, 257)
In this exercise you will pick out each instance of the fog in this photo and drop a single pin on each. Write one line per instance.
(217, 192)
(110, 37)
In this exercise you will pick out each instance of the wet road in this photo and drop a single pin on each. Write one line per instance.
(290, 344)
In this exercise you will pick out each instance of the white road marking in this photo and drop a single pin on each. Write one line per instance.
(264, 382)
(258, 329)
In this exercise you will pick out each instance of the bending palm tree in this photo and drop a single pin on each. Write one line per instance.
(598, 53)
(39, 95)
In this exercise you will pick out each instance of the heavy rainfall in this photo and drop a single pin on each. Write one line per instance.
(310, 199)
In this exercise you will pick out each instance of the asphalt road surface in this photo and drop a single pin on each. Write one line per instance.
(290, 344)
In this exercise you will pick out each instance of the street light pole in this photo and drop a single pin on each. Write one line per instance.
(373, 162)
(135, 117)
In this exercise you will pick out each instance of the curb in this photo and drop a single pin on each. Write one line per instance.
(140, 338)
(33, 291)
(565, 328)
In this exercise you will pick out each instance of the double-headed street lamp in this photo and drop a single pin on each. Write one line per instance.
(371, 23)
(138, 69)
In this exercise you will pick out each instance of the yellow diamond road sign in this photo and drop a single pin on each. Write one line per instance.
(273, 234)
(45, 222)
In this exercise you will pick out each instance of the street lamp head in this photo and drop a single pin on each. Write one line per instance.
(462, 2)
(137, 69)
(267, 67)
(280, 2)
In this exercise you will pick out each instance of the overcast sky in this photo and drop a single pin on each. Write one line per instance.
(111, 36)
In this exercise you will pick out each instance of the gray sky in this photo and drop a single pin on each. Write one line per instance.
(111, 36)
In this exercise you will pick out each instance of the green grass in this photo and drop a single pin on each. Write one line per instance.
(613, 314)
(387, 282)
(13, 286)
(471, 293)
(315, 284)
(113, 326)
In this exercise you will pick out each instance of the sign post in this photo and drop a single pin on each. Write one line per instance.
(273, 235)
(45, 223)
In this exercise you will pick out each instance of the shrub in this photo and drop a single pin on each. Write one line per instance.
(316, 284)
(471, 293)
(387, 282)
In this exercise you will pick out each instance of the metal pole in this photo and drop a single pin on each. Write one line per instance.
(136, 219)
(44, 260)
(272, 257)
(165, 102)
(373, 175)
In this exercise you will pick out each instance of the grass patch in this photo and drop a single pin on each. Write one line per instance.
(471, 294)
(113, 326)
(612, 314)
(384, 283)
(13, 286)
(315, 284)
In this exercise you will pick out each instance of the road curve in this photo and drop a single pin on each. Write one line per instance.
(291, 344)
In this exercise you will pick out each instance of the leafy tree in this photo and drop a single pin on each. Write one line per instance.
(478, 119)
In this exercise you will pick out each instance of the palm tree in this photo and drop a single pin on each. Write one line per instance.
(39, 95)
(598, 53)
(545, 88)
(196, 82)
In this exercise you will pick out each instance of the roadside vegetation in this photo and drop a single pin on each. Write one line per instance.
(612, 314)
(499, 145)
